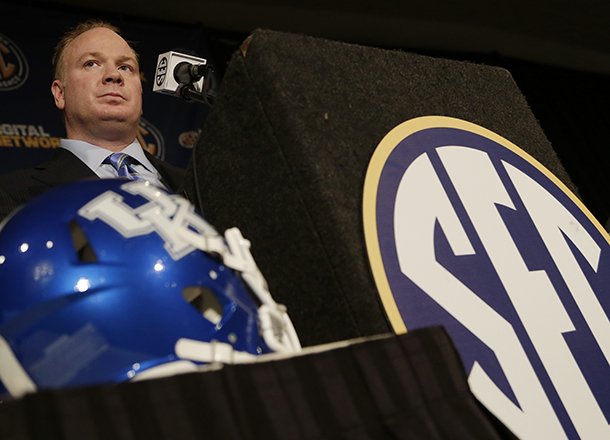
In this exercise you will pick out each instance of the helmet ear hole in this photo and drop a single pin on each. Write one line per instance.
(82, 245)
(204, 301)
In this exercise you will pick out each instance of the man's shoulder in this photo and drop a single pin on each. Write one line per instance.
(59, 157)
(157, 161)
(15, 189)
(17, 175)
(21, 185)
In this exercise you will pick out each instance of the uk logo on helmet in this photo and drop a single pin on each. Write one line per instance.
(13, 65)
(171, 216)
(466, 230)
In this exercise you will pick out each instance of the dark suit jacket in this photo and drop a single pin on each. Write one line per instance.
(18, 187)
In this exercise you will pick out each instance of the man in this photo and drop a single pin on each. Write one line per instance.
(98, 89)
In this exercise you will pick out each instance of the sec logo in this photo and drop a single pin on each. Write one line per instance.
(161, 71)
(151, 139)
(13, 65)
(466, 230)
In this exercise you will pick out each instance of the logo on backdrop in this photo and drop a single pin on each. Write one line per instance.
(151, 139)
(13, 65)
(26, 136)
(188, 139)
(466, 230)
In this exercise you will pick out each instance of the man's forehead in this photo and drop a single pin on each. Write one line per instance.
(100, 41)
(122, 56)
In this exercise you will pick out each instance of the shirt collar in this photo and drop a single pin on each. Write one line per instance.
(93, 155)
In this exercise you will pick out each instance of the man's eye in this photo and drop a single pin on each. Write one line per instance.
(126, 67)
(90, 63)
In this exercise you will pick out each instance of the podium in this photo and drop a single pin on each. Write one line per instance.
(283, 156)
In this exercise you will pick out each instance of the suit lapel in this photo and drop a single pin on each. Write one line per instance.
(171, 176)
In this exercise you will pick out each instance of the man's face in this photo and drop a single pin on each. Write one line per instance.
(100, 90)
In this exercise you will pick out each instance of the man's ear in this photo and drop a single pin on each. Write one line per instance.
(57, 89)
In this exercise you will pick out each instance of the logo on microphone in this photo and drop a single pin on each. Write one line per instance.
(13, 65)
(161, 71)
(466, 230)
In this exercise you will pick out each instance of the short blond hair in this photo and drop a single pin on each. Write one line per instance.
(71, 35)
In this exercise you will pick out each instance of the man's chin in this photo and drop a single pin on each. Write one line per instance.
(116, 126)
(118, 118)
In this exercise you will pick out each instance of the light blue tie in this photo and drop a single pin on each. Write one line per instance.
(123, 163)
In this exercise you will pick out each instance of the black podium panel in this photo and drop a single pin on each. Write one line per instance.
(391, 387)
(284, 153)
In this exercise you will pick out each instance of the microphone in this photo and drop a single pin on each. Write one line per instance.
(186, 73)
(185, 76)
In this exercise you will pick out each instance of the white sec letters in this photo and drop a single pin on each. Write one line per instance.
(531, 292)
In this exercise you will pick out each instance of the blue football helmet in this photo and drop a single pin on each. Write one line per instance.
(110, 280)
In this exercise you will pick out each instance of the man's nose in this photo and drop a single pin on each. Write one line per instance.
(113, 76)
